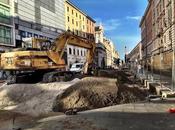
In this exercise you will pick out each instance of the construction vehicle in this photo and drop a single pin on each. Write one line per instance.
(45, 59)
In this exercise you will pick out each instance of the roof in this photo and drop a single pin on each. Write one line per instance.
(77, 8)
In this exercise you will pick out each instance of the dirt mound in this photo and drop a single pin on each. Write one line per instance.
(130, 93)
(122, 76)
(91, 93)
(32, 99)
(88, 93)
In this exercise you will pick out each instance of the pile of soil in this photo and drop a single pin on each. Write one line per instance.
(130, 93)
(121, 75)
(31, 99)
(91, 93)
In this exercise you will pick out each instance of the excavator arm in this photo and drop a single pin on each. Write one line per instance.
(60, 44)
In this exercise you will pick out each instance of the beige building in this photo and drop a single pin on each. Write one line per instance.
(75, 19)
(80, 24)
(106, 54)
(136, 54)
(100, 53)
(158, 34)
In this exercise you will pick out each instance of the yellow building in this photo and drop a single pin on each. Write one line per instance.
(78, 22)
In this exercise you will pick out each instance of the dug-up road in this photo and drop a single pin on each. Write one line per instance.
(114, 101)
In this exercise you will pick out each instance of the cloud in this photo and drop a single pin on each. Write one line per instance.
(109, 25)
(133, 17)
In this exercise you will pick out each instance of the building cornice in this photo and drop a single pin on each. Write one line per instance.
(146, 12)
(77, 8)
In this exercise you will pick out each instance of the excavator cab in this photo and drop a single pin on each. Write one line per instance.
(36, 44)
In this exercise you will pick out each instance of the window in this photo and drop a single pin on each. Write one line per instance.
(16, 7)
(70, 51)
(76, 15)
(81, 53)
(67, 9)
(85, 53)
(170, 36)
(74, 51)
(163, 3)
(68, 18)
(72, 11)
(77, 23)
(5, 35)
(169, 14)
(78, 53)
(83, 18)
(72, 21)
(165, 39)
(5, 15)
(80, 16)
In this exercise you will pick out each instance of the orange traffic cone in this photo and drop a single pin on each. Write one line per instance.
(172, 110)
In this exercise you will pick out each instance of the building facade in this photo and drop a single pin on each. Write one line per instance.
(158, 34)
(106, 54)
(109, 56)
(79, 22)
(82, 25)
(41, 19)
(147, 32)
(75, 19)
(136, 54)
(100, 53)
(6, 24)
(33, 18)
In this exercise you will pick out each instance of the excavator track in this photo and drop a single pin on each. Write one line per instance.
(57, 76)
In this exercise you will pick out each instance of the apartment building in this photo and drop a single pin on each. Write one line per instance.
(146, 25)
(158, 34)
(75, 19)
(6, 24)
(136, 54)
(109, 57)
(80, 24)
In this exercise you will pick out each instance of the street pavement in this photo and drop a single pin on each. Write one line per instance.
(136, 116)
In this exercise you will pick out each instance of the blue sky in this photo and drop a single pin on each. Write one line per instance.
(120, 19)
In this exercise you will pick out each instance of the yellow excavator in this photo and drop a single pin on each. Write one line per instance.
(44, 58)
